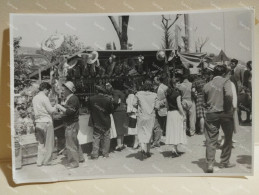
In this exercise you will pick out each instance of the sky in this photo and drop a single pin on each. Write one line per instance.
(230, 31)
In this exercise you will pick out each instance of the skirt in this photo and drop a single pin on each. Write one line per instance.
(112, 129)
(175, 131)
(199, 106)
(121, 122)
(145, 124)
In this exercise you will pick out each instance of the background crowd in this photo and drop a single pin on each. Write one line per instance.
(161, 108)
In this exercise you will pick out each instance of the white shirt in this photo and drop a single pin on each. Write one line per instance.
(42, 108)
(161, 96)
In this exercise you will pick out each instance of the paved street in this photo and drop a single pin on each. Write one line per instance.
(127, 162)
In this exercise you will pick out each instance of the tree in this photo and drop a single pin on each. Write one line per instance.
(16, 44)
(200, 43)
(167, 37)
(21, 67)
(121, 30)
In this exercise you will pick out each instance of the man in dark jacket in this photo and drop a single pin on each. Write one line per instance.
(100, 107)
(71, 120)
(218, 98)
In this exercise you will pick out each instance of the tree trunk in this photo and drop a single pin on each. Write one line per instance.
(124, 32)
(121, 30)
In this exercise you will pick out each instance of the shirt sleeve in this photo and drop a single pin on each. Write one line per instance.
(234, 95)
(228, 93)
(48, 106)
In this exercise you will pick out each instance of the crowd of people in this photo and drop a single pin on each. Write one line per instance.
(161, 108)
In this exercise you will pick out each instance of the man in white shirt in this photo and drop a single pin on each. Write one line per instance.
(44, 130)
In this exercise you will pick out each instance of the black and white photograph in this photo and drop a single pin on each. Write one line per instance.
(131, 95)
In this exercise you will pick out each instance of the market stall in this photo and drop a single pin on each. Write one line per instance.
(89, 67)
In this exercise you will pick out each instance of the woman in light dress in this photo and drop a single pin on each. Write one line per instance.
(145, 100)
(175, 125)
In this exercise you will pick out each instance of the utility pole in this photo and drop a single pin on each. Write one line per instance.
(187, 32)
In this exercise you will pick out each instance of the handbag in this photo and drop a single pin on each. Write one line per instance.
(132, 122)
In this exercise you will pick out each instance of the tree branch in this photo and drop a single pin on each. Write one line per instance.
(176, 18)
(115, 25)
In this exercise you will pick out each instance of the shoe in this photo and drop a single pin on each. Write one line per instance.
(192, 133)
(155, 146)
(175, 154)
(72, 166)
(148, 154)
(226, 165)
(135, 147)
(94, 157)
(143, 155)
(200, 133)
(82, 161)
(51, 163)
(210, 168)
(120, 148)
(179, 152)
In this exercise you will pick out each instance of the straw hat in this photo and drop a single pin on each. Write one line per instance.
(53, 42)
(70, 86)
(160, 55)
(91, 55)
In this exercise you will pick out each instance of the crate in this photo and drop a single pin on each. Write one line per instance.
(18, 154)
(29, 149)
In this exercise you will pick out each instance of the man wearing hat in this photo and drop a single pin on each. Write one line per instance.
(218, 98)
(100, 107)
(71, 120)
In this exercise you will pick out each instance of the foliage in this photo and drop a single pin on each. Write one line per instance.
(21, 68)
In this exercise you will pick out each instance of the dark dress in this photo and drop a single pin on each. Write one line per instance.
(120, 114)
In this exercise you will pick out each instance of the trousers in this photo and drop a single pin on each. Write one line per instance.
(73, 149)
(190, 111)
(44, 133)
(213, 121)
(101, 137)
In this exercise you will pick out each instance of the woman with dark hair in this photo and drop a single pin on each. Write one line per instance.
(175, 130)
(145, 100)
(119, 115)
